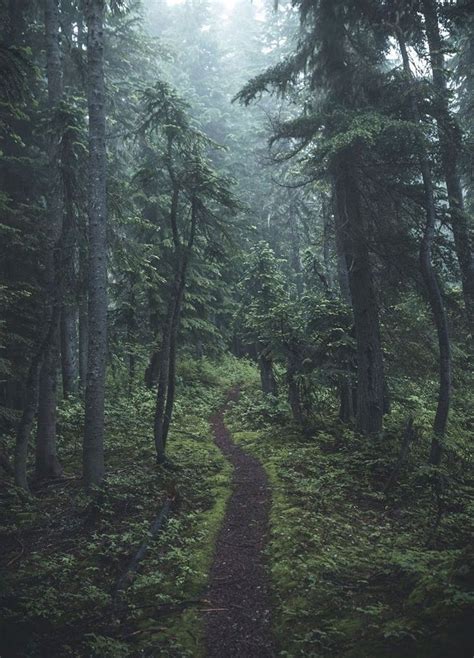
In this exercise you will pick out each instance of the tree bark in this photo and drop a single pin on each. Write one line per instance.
(327, 261)
(354, 229)
(450, 143)
(47, 464)
(267, 375)
(93, 448)
(433, 289)
(69, 343)
(347, 389)
(296, 251)
(167, 365)
(170, 394)
(69, 311)
(294, 396)
(83, 319)
(24, 427)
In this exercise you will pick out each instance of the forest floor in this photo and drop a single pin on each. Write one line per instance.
(239, 619)
(271, 533)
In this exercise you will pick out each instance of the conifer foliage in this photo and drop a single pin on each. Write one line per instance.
(204, 196)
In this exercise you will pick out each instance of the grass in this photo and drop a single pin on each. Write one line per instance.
(64, 552)
(357, 573)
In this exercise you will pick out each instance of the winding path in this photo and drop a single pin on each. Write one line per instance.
(238, 618)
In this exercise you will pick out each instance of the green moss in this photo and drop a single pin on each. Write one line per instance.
(58, 595)
(187, 630)
(351, 569)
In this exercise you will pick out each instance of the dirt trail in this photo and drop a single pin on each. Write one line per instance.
(238, 622)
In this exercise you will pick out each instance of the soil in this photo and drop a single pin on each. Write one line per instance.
(239, 615)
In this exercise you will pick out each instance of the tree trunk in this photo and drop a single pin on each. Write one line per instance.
(162, 389)
(152, 370)
(83, 319)
(24, 427)
(93, 448)
(295, 251)
(47, 464)
(167, 376)
(69, 337)
(16, 21)
(170, 394)
(69, 342)
(450, 143)
(83, 341)
(435, 297)
(294, 396)
(327, 260)
(267, 375)
(347, 391)
(353, 225)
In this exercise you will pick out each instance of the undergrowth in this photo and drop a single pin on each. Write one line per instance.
(64, 552)
(358, 572)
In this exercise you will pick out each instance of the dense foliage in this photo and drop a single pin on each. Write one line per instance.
(201, 194)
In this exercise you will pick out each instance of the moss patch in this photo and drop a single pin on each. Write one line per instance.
(357, 573)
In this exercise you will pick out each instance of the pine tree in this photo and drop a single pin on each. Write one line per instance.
(93, 450)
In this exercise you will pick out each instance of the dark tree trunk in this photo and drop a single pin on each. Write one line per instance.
(347, 389)
(433, 289)
(167, 365)
(161, 394)
(16, 21)
(295, 251)
(47, 464)
(152, 370)
(294, 395)
(25, 425)
(267, 375)
(69, 343)
(450, 143)
(83, 341)
(354, 229)
(69, 337)
(170, 394)
(327, 226)
(167, 369)
(93, 448)
(83, 319)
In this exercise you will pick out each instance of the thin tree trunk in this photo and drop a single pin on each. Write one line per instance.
(267, 375)
(327, 261)
(295, 251)
(170, 394)
(152, 370)
(24, 427)
(162, 389)
(83, 319)
(83, 341)
(167, 375)
(93, 448)
(435, 297)
(347, 389)
(370, 372)
(450, 143)
(69, 343)
(69, 337)
(294, 396)
(47, 464)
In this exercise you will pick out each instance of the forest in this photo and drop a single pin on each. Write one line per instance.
(237, 328)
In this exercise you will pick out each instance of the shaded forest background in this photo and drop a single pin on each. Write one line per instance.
(198, 196)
